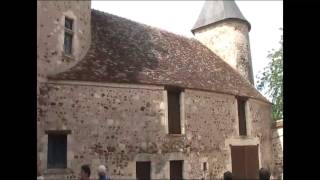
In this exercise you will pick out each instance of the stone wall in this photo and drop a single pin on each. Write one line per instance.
(117, 125)
(50, 34)
(229, 39)
(277, 147)
(260, 117)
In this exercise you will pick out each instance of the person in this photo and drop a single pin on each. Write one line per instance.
(102, 173)
(227, 175)
(85, 172)
(264, 174)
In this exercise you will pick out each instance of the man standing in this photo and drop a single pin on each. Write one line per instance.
(102, 173)
(85, 172)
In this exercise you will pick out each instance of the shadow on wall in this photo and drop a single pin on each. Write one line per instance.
(277, 147)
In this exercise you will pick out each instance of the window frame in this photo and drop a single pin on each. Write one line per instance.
(242, 116)
(150, 169)
(180, 91)
(71, 21)
(63, 134)
(69, 32)
(178, 162)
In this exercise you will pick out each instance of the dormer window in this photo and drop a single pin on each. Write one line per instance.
(68, 35)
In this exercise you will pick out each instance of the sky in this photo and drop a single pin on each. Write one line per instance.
(265, 17)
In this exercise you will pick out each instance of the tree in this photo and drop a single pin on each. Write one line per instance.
(271, 80)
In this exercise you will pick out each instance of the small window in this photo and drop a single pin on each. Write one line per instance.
(57, 151)
(242, 116)
(174, 112)
(67, 43)
(176, 170)
(205, 168)
(68, 23)
(143, 169)
(68, 36)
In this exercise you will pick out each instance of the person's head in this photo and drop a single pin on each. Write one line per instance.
(85, 172)
(264, 174)
(102, 170)
(227, 175)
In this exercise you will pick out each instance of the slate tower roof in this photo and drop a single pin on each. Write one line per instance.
(214, 11)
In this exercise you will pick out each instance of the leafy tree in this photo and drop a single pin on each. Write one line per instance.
(271, 80)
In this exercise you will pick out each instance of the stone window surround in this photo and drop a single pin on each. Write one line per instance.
(248, 118)
(45, 155)
(70, 32)
(72, 16)
(182, 113)
(241, 141)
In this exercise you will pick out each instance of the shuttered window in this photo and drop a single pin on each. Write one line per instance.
(57, 151)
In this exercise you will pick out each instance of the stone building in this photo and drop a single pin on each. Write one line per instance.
(146, 102)
(277, 147)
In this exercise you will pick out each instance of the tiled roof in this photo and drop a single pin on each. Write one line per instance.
(123, 51)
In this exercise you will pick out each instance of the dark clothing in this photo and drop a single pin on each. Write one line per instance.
(264, 174)
(104, 178)
(227, 175)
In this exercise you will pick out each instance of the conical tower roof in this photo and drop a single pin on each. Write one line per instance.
(214, 11)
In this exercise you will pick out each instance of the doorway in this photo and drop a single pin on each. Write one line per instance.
(245, 162)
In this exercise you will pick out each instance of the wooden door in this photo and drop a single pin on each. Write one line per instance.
(143, 169)
(176, 168)
(245, 162)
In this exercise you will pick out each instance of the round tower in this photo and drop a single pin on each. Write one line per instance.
(63, 35)
(223, 29)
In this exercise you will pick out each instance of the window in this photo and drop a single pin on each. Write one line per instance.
(57, 151)
(242, 116)
(174, 112)
(176, 170)
(68, 23)
(143, 170)
(68, 34)
(205, 168)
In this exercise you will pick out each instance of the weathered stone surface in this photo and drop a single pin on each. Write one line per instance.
(118, 124)
(229, 39)
(277, 148)
(50, 34)
(109, 127)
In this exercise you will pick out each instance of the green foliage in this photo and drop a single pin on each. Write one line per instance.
(271, 80)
